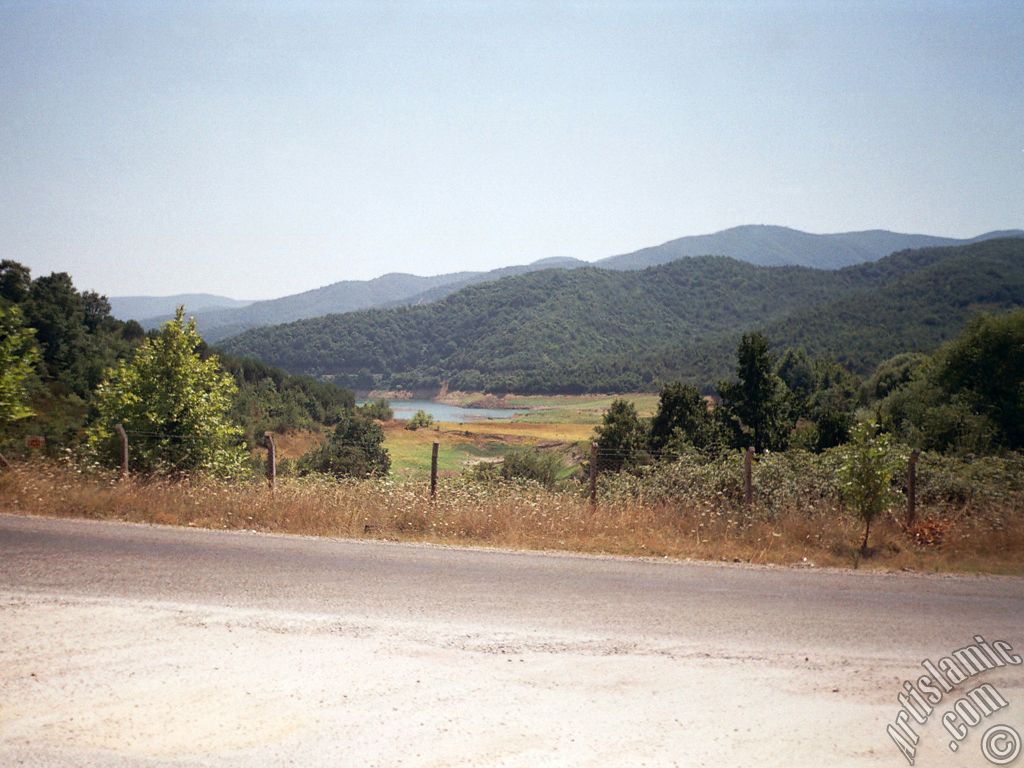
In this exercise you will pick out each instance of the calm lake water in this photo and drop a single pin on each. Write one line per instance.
(406, 409)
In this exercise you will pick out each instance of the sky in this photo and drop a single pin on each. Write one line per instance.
(258, 149)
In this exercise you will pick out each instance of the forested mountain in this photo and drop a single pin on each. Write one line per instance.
(601, 330)
(775, 246)
(761, 245)
(394, 289)
(142, 307)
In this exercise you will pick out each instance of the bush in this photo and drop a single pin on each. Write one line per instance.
(377, 409)
(354, 449)
(420, 419)
(524, 463)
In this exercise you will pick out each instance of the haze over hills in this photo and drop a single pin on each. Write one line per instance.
(142, 307)
(394, 289)
(755, 244)
(603, 330)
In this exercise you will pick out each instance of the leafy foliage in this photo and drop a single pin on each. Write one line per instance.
(18, 357)
(378, 409)
(78, 340)
(867, 467)
(269, 399)
(420, 419)
(969, 397)
(684, 419)
(174, 404)
(756, 404)
(621, 437)
(529, 464)
(354, 449)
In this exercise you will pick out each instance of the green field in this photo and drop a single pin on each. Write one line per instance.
(560, 422)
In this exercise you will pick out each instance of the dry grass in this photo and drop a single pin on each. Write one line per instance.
(524, 517)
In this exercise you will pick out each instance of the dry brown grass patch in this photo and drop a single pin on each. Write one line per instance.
(521, 516)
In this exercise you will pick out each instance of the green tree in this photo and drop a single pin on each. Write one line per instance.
(985, 366)
(621, 437)
(354, 449)
(683, 418)
(757, 405)
(867, 466)
(891, 374)
(18, 358)
(796, 369)
(56, 310)
(969, 397)
(173, 403)
(15, 281)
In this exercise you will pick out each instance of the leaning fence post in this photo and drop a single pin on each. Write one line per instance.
(912, 486)
(748, 476)
(123, 437)
(433, 470)
(271, 460)
(593, 474)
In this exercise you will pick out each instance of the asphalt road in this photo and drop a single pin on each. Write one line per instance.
(790, 645)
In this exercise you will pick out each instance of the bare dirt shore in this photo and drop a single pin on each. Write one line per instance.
(126, 645)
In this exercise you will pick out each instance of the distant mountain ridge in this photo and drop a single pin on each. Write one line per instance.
(141, 307)
(599, 330)
(761, 245)
(773, 246)
(390, 290)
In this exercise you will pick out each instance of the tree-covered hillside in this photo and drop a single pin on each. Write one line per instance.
(598, 330)
(770, 246)
(391, 290)
(760, 245)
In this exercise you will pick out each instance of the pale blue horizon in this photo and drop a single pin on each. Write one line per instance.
(261, 150)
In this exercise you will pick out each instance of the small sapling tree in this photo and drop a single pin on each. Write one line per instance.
(868, 465)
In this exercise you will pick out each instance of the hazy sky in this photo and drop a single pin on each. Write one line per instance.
(259, 149)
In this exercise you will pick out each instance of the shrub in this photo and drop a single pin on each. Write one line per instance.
(377, 409)
(527, 464)
(420, 419)
(354, 449)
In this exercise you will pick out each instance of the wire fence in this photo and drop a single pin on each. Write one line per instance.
(928, 479)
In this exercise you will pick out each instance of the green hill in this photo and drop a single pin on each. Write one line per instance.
(218, 318)
(601, 330)
(770, 246)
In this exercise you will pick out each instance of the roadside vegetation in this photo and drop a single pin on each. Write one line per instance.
(688, 509)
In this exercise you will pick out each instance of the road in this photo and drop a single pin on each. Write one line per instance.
(136, 645)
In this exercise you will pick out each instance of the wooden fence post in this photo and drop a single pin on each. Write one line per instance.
(593, 474)
(271, 460)
(433, 470)
(748, 476)
(912, 487)
(123, 437)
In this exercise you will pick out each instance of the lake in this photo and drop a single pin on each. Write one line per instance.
(406, 409)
